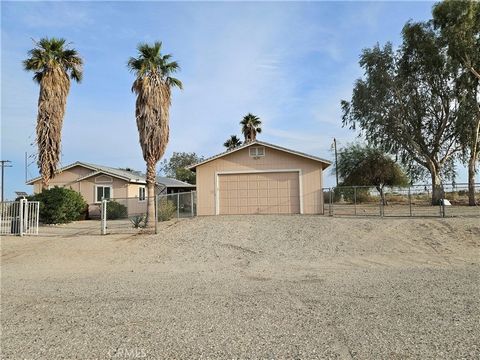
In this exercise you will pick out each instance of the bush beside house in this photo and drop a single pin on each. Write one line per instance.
(60, 205)
(115, 210)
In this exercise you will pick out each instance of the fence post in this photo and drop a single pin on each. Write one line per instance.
(22, 216)
(156, 213)
(178, 205)
(410, 200)
(38, 217)
(330, 210)
(191, 203)
(26, 216)
(381, 207)
(103, 217)
(355, 199)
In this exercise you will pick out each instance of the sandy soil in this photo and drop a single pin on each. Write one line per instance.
(246, 287)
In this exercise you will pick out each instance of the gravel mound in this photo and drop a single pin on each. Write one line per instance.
(246, 287)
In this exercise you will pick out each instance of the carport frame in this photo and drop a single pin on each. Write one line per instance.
(217, 187)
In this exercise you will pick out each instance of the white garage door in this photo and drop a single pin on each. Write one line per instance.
(259, 193)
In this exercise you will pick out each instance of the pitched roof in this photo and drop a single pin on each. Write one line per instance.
(169, 182)
(128, 175)
(257, 142)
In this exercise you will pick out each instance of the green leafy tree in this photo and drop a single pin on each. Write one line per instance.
(54, 64)
(176, 166)
(459, 25)
(407, 104)
(366, 166)
(251, 127)
(232, 142)
(153, 86)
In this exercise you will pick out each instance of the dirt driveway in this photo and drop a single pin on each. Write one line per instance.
(246, 287)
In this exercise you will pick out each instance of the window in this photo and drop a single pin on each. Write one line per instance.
(103, 192)
(141, 193)
(257, 151)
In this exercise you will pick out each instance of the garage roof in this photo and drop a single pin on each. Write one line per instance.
(257, 142)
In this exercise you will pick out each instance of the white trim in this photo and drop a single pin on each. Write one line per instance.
(95, 201)
(217, 185)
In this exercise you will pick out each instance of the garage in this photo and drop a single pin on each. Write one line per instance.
(260, 178)
(259, 193)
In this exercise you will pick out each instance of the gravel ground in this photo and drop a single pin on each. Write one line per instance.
(246, 287)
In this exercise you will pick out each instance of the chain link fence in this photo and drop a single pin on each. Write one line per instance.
(179, 205)
(128, 215)
(415, 200)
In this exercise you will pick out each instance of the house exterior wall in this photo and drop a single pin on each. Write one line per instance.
(310, 176)
(66, 178)
(121, 189)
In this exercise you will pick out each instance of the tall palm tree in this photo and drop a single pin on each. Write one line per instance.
(251, 127)
(153, 86)
(54, 64)
(232, 142)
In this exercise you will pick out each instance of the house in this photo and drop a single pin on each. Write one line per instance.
(260, 178)
(95, 182)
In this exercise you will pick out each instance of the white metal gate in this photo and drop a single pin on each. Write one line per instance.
(19, 217)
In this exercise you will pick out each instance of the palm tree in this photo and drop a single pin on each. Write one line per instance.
(54, 64)
(153, 86)
(232, 143)
(251, 127)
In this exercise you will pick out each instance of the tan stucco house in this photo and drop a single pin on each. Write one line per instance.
(95, 182)
(260, 178)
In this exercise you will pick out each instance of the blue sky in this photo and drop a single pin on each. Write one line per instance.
(289, 63)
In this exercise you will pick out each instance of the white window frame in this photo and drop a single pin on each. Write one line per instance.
(102, 186)
(256, 154)
(144, 194)
(217, 183)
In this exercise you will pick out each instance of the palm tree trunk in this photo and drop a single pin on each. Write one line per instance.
(150, 220)
(52, 100)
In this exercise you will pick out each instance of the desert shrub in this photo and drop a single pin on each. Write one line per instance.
(452, 196)
(138, 221)
(166, 209)
(60, 205)
(362, 194)
(115, 210)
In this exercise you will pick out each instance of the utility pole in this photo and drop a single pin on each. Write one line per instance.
(4, 164)
(336, 164)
